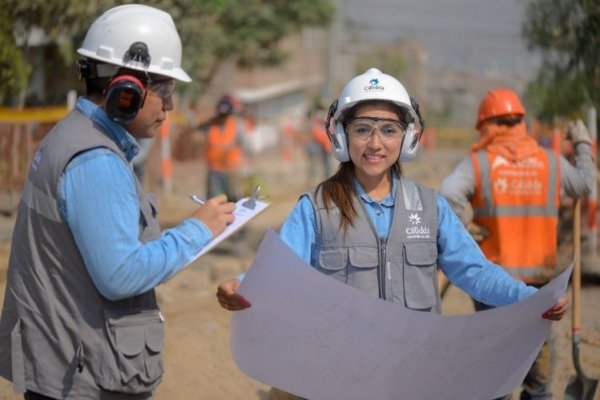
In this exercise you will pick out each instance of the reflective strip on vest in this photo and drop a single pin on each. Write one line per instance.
(412, 199)
(39, 201)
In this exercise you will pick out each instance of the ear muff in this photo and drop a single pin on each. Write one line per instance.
(340, 144)
(338, 138)
(410, 144)
(124, 97)
(411, 139)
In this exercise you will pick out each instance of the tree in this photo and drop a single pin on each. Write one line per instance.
(13, 69)
(212, 31)
(567, 32)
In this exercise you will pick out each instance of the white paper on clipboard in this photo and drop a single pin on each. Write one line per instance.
(242, 215)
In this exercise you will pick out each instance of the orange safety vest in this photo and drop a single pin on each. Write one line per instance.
(223, 152)
(518, 203)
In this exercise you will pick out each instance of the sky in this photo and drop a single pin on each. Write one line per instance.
(461, 34)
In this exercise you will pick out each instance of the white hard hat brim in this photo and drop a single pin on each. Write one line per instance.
(175, 73)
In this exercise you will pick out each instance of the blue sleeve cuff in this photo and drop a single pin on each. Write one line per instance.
(196, 232)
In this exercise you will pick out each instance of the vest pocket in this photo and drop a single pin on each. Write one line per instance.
(419, 275)
(136, 341)
(333, 262)
(362, 272)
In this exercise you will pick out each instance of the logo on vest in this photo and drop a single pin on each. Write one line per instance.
(519, 187)
(417, 231)
(501, 186)
(37, 159)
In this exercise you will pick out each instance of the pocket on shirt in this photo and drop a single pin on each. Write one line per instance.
(135, 364)
(420, 291)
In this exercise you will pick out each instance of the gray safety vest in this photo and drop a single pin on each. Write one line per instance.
(401, 269)
(58, 335)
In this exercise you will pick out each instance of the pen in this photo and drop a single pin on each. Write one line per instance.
(196, 199)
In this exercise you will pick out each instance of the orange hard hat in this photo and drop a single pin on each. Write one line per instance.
(497, 103)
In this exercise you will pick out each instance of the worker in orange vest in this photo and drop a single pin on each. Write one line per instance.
(224, 149)
(513, 187)
(318, 146)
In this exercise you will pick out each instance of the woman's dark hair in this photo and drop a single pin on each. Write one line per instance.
(339, 190)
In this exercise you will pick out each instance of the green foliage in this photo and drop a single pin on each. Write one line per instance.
(248, 31)
(212, 31)
(567, 32)
(556, 92)
(14, 72)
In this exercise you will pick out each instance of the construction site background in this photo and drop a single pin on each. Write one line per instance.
(198, 362)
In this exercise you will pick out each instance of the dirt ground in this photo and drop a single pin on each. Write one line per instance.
(198, 363)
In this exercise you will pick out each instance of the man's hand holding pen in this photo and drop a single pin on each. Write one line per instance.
(215, 213)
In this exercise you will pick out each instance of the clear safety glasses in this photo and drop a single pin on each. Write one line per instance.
(163, 88)
(362, 128)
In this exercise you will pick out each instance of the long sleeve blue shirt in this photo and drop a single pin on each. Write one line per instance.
(99, 202)
(459, 257)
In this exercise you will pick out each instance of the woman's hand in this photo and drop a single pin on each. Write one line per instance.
(228, 297)
(559, 310)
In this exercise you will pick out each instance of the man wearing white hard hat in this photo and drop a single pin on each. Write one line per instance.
(80, 318)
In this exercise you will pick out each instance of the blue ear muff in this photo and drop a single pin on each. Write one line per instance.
(340, 144)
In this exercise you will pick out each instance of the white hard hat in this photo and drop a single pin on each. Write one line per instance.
(116, 33)
(374, 85)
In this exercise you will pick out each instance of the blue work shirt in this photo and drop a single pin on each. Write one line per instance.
(99, 202)
(459, 256)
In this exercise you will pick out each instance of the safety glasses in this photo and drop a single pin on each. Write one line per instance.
(362, 128)
(163, 88)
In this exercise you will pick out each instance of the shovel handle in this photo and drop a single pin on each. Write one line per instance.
(576, 279)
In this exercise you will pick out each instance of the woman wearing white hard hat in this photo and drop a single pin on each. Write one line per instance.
(80, 317)
(374, 229)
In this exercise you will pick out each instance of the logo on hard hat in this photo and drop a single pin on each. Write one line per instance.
(374, 86)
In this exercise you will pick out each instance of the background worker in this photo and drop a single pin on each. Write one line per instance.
(318, 146)
(512, 187)
(368, 210)
(80, 318)
(225, 147)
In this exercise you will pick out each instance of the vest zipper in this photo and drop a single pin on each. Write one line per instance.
(382, 267)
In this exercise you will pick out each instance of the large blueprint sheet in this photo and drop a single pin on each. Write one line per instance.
(312, 336)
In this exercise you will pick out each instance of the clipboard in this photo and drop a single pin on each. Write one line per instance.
(245, 210)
